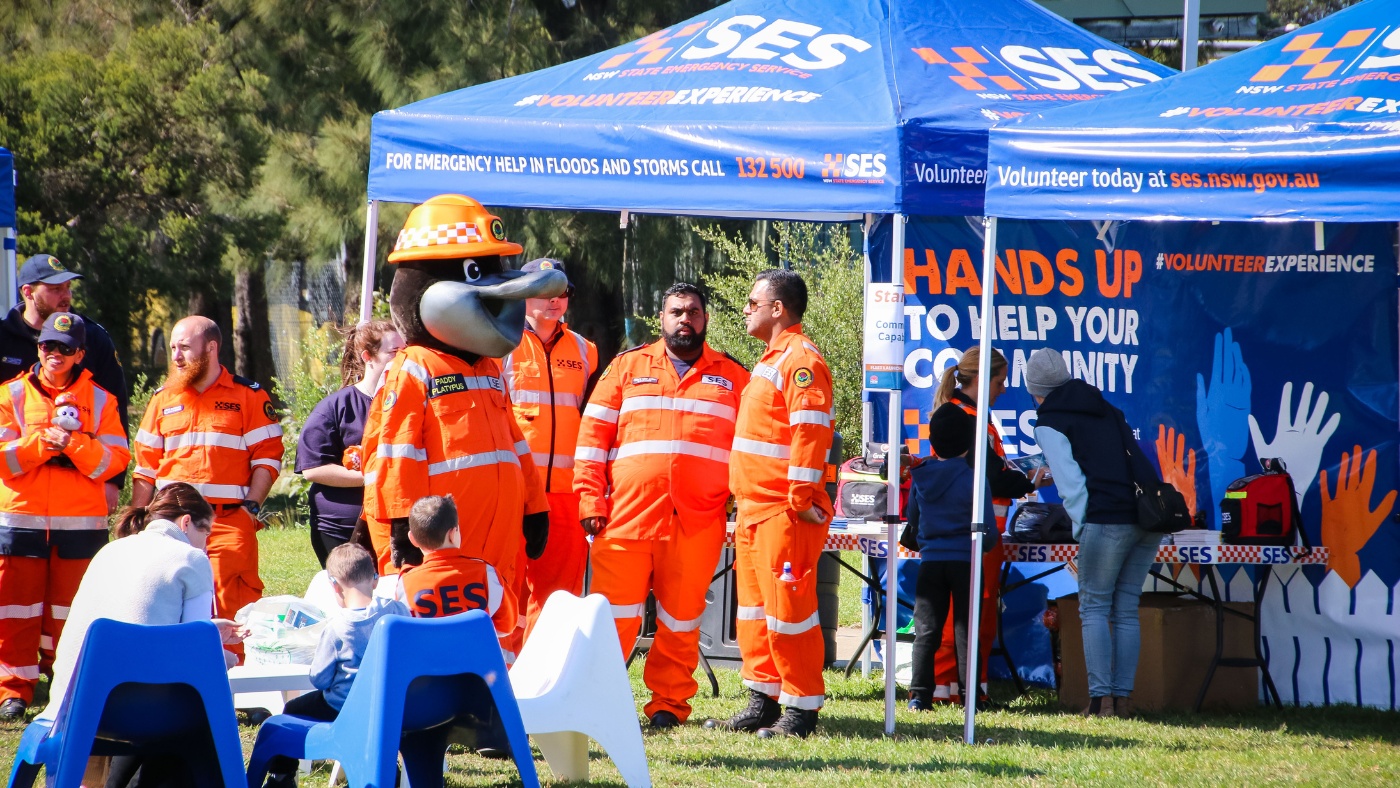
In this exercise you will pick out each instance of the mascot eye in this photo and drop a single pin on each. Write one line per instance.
(473, 270)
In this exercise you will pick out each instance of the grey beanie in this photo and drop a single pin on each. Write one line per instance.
(1045, 372)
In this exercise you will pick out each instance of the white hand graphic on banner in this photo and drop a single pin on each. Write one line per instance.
(1298, 440)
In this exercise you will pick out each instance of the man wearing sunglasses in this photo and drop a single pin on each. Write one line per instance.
(548, 378)
(53, 511)
(777, 473)
(45, 288)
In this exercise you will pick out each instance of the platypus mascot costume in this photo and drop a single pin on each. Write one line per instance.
(442, 421)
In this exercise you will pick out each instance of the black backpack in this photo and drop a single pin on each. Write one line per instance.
(861, 493)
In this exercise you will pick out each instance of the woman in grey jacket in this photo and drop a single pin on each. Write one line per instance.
(1085, 441)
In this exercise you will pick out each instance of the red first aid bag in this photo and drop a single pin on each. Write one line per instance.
(1262, 509)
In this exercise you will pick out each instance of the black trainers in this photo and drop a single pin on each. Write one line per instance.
(13, 709)
(794, 722)
(663, 720)
(761, 712)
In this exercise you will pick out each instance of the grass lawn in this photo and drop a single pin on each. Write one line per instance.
(1030, 742)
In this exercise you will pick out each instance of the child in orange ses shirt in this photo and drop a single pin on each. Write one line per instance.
(448, 582)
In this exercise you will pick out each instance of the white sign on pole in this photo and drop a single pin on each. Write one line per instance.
(884, 336)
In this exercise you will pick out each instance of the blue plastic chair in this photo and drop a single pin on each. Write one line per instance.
(140, 690)
(421, 681)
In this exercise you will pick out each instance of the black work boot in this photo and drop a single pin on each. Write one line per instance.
(794, 722)
(761, 712)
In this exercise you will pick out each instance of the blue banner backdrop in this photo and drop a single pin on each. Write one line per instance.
(1221, 343)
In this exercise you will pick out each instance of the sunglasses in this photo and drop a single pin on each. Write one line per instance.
(756, 304)
(52, 346)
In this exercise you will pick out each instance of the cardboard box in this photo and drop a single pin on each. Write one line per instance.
(1178, 641)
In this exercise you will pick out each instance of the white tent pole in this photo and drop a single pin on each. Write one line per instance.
(367, 272)
(892, 498)
(867, 424)
(979, 486)
(1190, 35)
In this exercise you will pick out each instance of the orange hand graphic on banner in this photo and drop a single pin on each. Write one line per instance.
(1348, 522)
(1178, 465)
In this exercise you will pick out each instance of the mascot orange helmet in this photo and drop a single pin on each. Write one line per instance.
(451, 226)
(452, 290)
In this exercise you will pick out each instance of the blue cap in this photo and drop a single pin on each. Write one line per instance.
(45, 268)
(64, 327)
(546, 264)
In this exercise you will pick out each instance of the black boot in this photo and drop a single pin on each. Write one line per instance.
(794, 722)
(761, 712)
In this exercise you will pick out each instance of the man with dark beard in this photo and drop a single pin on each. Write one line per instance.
(657, 431)
(46, 287)
(218, 432)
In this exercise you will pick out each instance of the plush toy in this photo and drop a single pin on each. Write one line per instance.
(456, 302)
(65, 414)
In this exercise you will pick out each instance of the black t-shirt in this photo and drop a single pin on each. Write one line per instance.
(337, 422)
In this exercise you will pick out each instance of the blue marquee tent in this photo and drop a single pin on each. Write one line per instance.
(822, 110)
(7, 228)
(766, 108)
(1306, 126)
(7, 189)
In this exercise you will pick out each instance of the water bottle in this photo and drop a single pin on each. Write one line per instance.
(787, 576)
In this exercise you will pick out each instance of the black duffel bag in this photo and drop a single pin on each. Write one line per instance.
(1040, 523)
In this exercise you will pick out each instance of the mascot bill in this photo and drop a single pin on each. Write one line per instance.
(442, 421)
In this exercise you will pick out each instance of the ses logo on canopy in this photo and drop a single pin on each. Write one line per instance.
(746, 37)
(1017, 69)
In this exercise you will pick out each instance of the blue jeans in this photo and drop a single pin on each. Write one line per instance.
(1113, 564)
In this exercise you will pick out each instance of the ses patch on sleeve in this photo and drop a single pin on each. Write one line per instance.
(269, 411)
(803, 377)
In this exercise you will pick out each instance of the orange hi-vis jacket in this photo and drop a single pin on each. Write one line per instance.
(652, 444)
(448, 583)
(212, 440)
(547, 387)
(55, 499)
(441, 426)
(784, 431)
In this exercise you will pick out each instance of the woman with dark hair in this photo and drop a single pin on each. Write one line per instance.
(328, 450)
(155, 574)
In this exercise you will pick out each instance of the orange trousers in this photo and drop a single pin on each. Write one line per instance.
(780, 634)
(35, 594)
(677, 571)
(233, 554)
(565, 559)
(379, 538)
(945, 660)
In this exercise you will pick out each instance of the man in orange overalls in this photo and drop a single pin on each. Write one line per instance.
(653, 477)
(776, 472)
(62, 440)
(218, 432)
(547, 378)
(441, 423)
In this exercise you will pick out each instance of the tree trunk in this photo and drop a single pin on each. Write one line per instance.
(215, 306)
(253, 333)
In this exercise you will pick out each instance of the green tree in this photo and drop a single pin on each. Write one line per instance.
(834, 272)
(134, 166)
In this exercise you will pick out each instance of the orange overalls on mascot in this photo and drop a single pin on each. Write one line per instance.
(213, 440)
(781, 443)
(442, 423)
(653, 459)
(547, 380)
(53, 518)
(945, 660)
